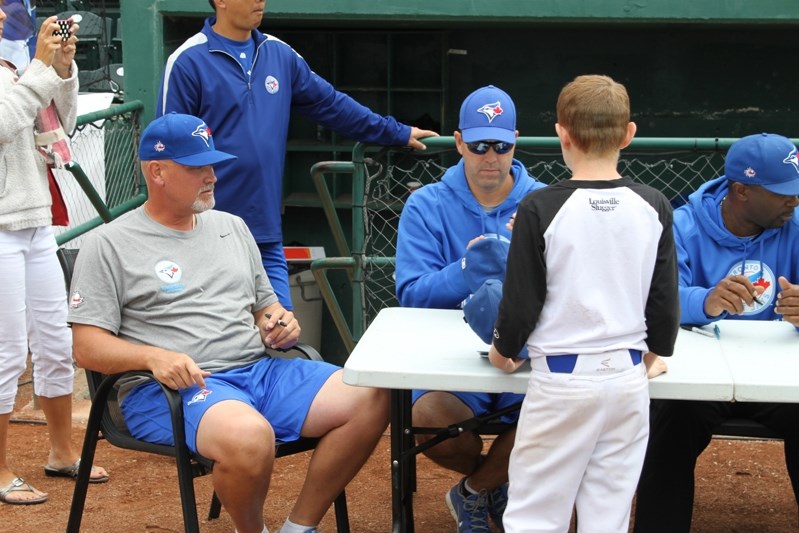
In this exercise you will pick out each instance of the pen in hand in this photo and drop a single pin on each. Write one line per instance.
(279, 322)
(706, 333)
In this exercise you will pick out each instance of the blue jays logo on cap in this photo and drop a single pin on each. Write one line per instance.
(491, 110)
(203, 133)
(792, 159)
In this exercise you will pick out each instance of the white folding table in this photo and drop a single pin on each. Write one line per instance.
(410, 348)
(763, 357)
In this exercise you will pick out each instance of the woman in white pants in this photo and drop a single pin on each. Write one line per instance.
(33, 306)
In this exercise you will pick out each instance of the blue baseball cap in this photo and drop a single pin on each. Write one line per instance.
(184, 139)
(488, 114)
(481, 310)
(485, 259)
(764, 159)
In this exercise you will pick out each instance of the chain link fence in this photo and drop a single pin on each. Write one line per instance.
(384, 178)
(104, 180)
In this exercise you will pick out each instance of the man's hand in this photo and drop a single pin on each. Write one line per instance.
(788, 301)
(511, 221)
(503, 363)
(730, 295)
(416, 134)
(279, 328)
(100, 350)
(177, 370)
(655, 365)
(471, 242)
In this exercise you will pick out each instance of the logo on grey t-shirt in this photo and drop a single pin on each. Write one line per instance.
(170, 273)
(75, 300)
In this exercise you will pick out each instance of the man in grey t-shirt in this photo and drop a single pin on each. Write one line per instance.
(179, 289)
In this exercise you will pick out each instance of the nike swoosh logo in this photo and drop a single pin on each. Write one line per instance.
(225, 235)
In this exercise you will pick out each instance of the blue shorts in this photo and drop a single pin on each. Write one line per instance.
(274, 259)
(483, 403)
(282, 390)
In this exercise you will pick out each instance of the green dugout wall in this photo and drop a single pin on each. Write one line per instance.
(694, 68)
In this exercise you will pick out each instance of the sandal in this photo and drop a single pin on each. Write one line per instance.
(71, 471)
(20, 485)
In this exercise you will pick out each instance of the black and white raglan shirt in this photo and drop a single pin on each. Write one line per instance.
(591, 268)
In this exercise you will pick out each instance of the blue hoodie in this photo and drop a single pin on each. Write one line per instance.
(708, 252)
(437, 223)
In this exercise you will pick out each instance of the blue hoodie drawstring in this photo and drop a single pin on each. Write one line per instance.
(759, 271)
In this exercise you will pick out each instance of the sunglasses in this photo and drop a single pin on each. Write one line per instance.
(481, 147)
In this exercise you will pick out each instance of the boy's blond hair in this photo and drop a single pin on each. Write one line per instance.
(595, 110)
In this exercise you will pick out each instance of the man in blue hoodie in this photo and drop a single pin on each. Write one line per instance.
(475, 200)
(737, 245)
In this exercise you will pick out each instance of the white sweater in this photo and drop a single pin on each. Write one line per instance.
(24, 191)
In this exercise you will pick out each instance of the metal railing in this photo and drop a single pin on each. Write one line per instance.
(103, 181)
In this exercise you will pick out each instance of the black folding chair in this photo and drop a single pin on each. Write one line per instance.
(105, 418)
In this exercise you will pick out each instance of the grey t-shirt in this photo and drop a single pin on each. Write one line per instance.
(187, 291)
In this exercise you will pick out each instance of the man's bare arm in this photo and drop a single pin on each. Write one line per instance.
(100, 350)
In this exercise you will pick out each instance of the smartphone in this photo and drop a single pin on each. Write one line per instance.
(63, 29)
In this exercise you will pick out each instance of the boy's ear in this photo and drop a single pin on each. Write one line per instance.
(563, 135)
(628, 137)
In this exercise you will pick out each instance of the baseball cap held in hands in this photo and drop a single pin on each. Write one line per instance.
(481, 309)
(485, 259)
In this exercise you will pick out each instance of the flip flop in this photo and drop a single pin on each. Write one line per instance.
(71, 471)
(20, 485)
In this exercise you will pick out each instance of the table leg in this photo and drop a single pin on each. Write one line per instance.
(402, 462)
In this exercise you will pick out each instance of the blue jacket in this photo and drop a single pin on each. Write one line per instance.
(437, 223)
(249, 117)
(707, 252)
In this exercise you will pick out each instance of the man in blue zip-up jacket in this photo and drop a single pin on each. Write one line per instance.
(476, 199)
(244, 84)
(738, 257)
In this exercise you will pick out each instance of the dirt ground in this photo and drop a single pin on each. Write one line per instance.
(742, 487)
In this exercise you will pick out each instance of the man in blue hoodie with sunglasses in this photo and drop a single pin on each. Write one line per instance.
(473, 203)
(737, 244)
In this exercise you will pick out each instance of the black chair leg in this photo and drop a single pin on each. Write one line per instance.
(342, 516)
(216, 507)
(87, 460)
(185, 478)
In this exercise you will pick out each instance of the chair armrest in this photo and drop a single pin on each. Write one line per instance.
(305, 350)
